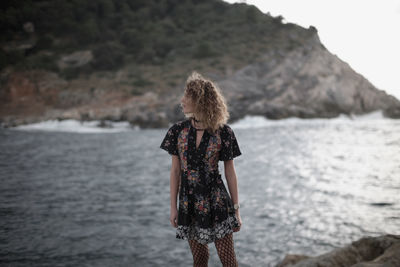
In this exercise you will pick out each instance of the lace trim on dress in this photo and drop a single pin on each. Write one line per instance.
(207, 235)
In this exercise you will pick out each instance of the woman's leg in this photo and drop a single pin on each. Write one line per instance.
(200, 253)
(226, 251)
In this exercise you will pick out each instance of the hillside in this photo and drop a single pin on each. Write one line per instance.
(128, 60)
(42, 34)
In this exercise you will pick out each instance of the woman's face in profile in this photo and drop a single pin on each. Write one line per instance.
(186, 103)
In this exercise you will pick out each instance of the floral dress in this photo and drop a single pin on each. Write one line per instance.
(205, 209)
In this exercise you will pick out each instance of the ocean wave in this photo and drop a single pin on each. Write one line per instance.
(77, 126)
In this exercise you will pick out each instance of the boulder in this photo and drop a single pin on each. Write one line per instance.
(381, 251)
(76, 59)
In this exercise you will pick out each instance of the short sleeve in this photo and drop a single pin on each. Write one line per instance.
(229, 145)
(170, 142)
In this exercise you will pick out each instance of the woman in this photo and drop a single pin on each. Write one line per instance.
(207, 213)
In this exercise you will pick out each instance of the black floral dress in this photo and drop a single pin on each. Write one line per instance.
(205, 210)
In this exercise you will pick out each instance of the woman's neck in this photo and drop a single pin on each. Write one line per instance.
(197, 124)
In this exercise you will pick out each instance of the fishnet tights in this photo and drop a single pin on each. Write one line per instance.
(225, 250)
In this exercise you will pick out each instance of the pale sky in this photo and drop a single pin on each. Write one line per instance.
(363, 33)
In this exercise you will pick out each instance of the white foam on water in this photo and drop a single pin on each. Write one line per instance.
(77, 126)
(250, 121)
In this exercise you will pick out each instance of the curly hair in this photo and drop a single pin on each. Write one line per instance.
(209, 105)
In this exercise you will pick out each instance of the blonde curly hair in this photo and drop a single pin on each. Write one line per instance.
(209, 105)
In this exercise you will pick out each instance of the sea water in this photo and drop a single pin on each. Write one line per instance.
(74, 194)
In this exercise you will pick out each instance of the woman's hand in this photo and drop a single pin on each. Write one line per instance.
(173, 218)
(237, 213)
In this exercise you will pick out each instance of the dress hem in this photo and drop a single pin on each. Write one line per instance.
(207, 235)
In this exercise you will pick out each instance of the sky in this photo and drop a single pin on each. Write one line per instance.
(363, 33)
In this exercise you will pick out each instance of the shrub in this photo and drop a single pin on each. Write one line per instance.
(148, 55)
(203, 50)
(141, 82)
(132, 40)
(10, 57)
(108, 56)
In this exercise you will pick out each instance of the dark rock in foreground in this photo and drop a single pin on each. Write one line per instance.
(367, 252)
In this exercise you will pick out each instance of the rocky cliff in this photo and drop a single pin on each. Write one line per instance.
(263, 66)
(308, 82)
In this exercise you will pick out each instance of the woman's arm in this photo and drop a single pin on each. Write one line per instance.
(231, 178)
(175, 176)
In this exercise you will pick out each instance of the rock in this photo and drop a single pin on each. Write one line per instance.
(105, 124)
(381, 251)
(392, 112)
(76, 59)
(20, 88)
(307, 82)
(147, 119)
(393, 109)
(28, 27)
(291, 259)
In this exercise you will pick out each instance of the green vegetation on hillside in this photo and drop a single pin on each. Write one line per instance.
(141, 31)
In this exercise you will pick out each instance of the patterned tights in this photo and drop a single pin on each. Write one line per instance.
(225, 250)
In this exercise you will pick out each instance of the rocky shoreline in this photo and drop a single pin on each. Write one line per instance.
(307, 82)
(381, 251)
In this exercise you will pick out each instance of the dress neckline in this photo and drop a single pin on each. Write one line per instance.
(203, 137)
(197, 129)
(195, 154)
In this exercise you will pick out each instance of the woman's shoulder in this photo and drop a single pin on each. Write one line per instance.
(225, 128)
(183, 123)
(180, 124)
